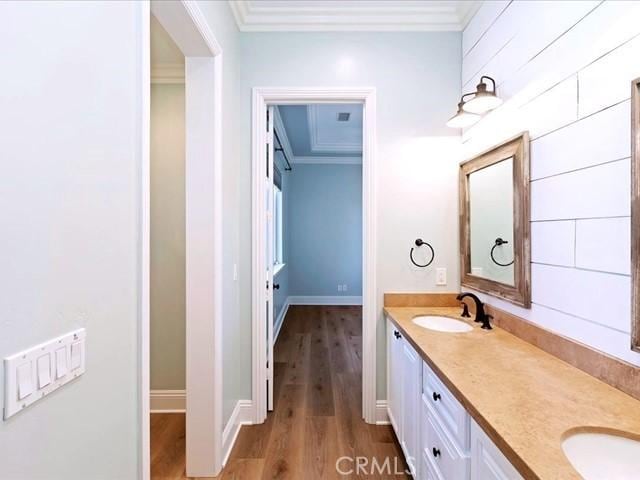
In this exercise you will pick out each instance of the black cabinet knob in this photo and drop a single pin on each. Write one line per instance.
(436, 452)
(436, 396)
(397, 334)
(276, 286)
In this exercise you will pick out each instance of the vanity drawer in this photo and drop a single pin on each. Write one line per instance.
(449, 411)
(428, 470)
(449, 460)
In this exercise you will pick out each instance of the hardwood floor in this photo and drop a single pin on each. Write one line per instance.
(317, 418)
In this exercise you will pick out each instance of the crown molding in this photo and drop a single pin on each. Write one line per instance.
(167, 73)
(352, 15)
(319, 147)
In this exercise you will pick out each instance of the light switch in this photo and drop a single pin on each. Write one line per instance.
(35, 372)
(76, 355)
(25, 380)
(44, 370)
(441, 276)
(61, 362)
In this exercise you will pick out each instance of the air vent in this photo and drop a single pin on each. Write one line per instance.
(343, 116)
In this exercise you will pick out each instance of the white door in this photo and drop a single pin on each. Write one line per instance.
(269, 256)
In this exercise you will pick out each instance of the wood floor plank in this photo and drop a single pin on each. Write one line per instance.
(320, 400)
(284, 454)
(321, 450)
(298, 364)
(317, 417)
(243, 469)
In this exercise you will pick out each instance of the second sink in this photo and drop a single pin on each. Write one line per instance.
(442, 324)
(597, 455)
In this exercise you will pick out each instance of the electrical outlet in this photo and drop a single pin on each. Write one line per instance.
(339, 288)
(344, 287)
(441, 276)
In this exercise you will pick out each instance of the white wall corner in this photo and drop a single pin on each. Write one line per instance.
(382, 418)
(168, 401)
(242, 415)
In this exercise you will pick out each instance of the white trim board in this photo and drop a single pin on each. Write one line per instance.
(328, 160)
(382, 417)
(241, 415)
(280, 320)
(168, 401)
(353, 15)
(261, 99)
(324, 300)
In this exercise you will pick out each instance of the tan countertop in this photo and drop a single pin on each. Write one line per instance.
(525, 399)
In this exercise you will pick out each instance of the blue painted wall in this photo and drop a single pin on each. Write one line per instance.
(323, 232)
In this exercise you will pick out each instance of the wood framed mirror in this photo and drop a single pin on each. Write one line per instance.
(635, 214)
(495, 251)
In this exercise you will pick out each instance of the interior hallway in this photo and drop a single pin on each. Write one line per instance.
(317, 417)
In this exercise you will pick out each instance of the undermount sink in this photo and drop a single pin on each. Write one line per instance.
(597, 455)
(442, 324)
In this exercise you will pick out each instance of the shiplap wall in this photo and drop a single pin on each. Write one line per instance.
(564, 69)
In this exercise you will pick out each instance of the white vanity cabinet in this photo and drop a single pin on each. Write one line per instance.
(487, 461)
(404, 387)
(439, 439)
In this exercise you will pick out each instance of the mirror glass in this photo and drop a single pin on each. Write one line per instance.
(491, 222)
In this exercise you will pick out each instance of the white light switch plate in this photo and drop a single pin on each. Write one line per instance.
(441, 276)
(50, 365)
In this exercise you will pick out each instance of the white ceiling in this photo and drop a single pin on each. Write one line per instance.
(329, 136)
(352, 15)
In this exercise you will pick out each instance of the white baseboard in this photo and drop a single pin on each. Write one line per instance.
(168, 401)
(280, 320)
(317, 300)
(242, 415)
(382, 418)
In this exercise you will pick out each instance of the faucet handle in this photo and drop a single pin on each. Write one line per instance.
(465, 311)
(486, 324)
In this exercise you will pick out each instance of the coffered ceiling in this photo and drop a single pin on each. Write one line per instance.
(352, 15)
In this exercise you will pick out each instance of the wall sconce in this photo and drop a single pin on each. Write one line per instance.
(470, 111)
(463, 118)
(483, 100)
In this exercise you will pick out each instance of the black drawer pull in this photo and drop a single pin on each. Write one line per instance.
(436, 396)
(397, 334)
(436, 452)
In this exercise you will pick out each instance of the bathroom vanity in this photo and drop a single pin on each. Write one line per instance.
(485, 404)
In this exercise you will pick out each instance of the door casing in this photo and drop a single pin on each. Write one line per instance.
(262, 99)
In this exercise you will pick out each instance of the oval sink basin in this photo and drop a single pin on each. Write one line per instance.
(598, 455)
(442, 324)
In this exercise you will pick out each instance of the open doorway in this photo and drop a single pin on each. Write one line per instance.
(167, 264)
(316, 251)
(181, 240)
(315, 192)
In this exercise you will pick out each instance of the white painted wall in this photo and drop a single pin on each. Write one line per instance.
(167, 237)
(564, 69)
(70, 92)
(417, 76)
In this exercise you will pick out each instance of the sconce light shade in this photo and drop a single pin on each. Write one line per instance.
(483, 100)
(463, 118)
